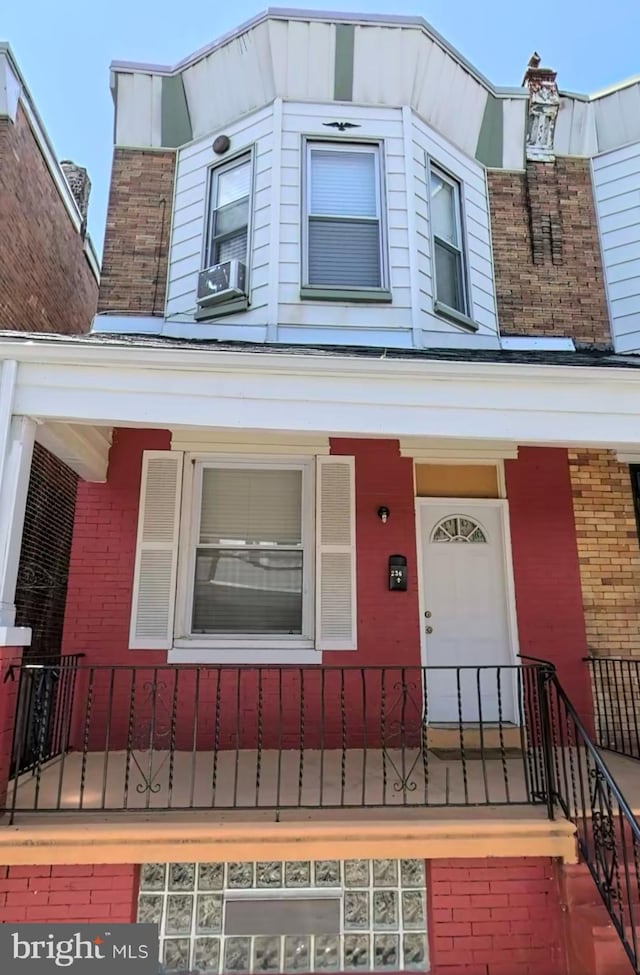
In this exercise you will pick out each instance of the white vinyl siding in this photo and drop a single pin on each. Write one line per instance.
(427, 144)
(343, 220)
(616, 178)
(188, 247)
(275, 265)
(336, 553)
(344, 322)
(154, 583)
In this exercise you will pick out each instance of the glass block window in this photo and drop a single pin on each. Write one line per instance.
(296, 916)
(457, 528)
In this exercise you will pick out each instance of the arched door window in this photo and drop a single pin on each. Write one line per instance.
(458, 528)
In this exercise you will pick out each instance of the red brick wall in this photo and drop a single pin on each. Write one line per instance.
(46, 284)
(8, 699)
(103, 554)
(546, 569)
(495, 916)
(72, 894)
(548, 267)
(136, 245)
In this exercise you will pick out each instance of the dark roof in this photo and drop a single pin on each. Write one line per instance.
(583, 356)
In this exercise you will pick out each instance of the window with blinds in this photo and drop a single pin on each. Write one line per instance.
(344, 225)
(448, 245)
(230, 196)
(249, 557)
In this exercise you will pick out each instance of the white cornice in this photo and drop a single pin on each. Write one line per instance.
(85, 351)
(336, 17)
(77, 382)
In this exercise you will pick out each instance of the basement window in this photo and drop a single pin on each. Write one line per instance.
(292, 916)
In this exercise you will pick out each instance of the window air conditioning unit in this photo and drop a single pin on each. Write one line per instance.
(221, 283)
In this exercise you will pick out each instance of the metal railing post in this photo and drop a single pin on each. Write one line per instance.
(544, 677)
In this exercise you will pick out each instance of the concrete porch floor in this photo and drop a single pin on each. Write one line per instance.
(242, 784)
(245, 781)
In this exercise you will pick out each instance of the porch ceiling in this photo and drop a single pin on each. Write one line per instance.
(83, 448)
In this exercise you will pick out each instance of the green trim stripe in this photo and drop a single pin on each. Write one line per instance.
(343, 78)
(490, 139)
(175, 120)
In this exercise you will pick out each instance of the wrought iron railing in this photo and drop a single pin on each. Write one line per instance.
(616, 694)
(608, 833)
(44, 706)
(275, 738)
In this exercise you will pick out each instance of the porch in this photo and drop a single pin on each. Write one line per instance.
(275, 739)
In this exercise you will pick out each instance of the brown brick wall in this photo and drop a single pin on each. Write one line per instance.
(548, 267)
(608, 550)
(46, 284)
(136, 244)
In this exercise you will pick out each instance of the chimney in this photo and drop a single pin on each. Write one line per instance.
(79, 184)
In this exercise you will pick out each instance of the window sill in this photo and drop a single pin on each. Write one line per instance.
(366, 295)
(198, 653)
(224, 308)
(455, 316)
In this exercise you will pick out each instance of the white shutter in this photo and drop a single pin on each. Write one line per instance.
(335, 554)
(154, 581)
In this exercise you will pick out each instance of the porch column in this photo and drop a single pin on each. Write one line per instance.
(16, 450)
(17, 435)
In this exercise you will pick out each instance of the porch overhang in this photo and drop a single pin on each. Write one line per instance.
(78, 382)
(83, 448)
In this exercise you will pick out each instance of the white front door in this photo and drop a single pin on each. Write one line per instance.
(465, 612)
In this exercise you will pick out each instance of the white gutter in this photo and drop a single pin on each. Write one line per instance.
(80, 351)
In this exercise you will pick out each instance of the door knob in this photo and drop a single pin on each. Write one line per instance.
(428, 629)
(427, 614)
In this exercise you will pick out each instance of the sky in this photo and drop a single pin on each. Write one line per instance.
(64, 52)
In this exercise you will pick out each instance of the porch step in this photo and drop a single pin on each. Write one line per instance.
(592, 943)
(446, 737)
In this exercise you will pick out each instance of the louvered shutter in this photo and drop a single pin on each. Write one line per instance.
(154, 583)
(335, 554)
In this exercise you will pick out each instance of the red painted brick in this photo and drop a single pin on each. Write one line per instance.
(546, 567)
(71, 893)
(504, 937)
(472, 913)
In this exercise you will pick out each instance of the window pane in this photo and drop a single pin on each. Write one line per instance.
(235, 216)
(306, 915)
(230, 249)
(343, 183)
(251, 507)
(443, 212)
(449, 288)
(233, 184)
(247, 591)
(344, 253)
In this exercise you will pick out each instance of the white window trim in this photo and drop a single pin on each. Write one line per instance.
(219, 648)
(433, 166)
(213, 172)
(328, 145)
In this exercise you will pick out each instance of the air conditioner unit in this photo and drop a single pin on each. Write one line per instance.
(222, 282)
